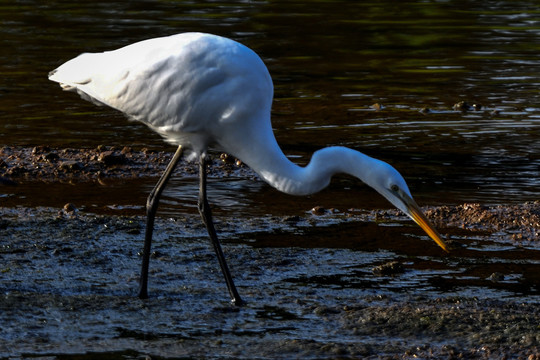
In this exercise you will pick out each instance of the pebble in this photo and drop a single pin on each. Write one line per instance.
(71, 165)
(51, 157)
(319, 210)
(389, 268)
(69, 208)
(462, 106)
(496, 277)
(109, 158)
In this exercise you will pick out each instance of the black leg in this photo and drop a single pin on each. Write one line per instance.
(151, 208)
(206, 214)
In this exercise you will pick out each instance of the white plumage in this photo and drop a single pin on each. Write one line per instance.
(181, 86)
(199, 91)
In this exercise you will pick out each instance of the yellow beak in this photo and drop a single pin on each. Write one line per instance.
(416, 214)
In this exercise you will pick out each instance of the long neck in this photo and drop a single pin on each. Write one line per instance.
(266, 159)
(290, 178)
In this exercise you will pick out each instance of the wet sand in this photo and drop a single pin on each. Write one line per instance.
(68, 278)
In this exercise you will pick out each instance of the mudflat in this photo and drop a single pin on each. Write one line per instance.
(328, 284)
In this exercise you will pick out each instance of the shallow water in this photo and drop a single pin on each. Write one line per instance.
(330, 62)
(309, 299)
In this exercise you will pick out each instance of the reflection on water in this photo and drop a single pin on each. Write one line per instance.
(330, 63)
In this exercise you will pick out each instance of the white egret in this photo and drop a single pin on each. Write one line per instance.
(202, 91)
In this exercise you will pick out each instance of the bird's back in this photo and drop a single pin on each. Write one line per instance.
(188, 87)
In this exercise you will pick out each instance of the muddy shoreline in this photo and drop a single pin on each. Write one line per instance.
(517, 223)
(68, 284)
(45, 164)
(326, 285)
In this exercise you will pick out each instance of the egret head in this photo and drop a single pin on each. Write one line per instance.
(389, 183)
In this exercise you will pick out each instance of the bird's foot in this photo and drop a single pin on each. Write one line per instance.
(143, 294)
(238, 302)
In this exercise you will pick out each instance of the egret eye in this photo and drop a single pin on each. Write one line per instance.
(394, 188)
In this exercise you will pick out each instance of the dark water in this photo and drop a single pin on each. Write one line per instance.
(67, 287)
(330, 61)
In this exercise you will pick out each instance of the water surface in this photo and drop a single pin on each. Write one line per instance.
(67, 282)
(330, 61)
